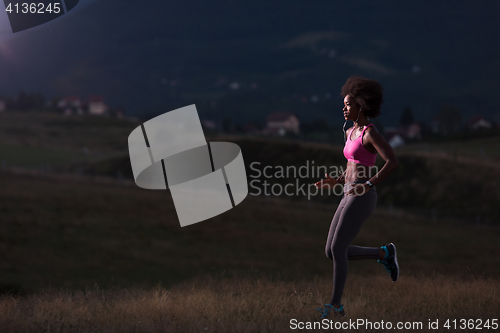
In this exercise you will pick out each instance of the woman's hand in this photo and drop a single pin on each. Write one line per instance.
(329, 182)
(358, 189)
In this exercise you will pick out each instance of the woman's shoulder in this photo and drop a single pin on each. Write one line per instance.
(371, 131)
(371, 128)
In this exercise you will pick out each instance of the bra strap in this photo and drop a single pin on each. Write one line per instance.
(366, 128)
(350, 134)
(363, 132)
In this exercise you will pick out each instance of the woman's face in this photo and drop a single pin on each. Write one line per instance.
(351, 108)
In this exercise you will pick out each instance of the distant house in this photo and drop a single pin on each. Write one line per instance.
(413, 132)
(478, 122)
(395, 140)
(393, 137)
(280, 123)
(408, 133)
(96, 105)
(74, 105)
(2, 105)
(71, 105)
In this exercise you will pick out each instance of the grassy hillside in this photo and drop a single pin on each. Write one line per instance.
(116, 260)
(83, 253)
(75, 233)
(64, 133)
(456, 179)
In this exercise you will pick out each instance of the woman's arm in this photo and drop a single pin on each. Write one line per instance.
(385, 150)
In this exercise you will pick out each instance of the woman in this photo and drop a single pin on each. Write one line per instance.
(362, 101)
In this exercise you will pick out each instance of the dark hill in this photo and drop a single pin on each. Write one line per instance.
(153, 56)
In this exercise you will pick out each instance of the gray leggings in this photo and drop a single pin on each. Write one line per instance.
(351, 213)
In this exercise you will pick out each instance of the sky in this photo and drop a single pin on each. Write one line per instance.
(5, 30)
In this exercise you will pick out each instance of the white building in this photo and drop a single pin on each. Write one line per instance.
(393, 137)
(281, 123)
(97, 106)
(478, 122)
(71, 105)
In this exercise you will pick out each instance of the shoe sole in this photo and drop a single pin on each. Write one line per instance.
(334, 312)
(395, 261)
(340, 314)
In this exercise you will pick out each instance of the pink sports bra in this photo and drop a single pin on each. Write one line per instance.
(355, 152)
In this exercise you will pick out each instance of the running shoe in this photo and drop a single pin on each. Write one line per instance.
(390, 261)
(329, 308)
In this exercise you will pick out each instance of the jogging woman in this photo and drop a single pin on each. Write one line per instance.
(362, 101)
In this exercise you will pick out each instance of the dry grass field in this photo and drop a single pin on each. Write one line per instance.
(242, 304)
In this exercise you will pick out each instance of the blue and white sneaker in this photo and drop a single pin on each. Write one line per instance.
(390, 261)
(329, 308)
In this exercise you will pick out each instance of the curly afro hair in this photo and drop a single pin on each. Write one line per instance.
(367, 93)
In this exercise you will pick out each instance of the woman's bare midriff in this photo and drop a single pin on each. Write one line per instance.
(356, 171)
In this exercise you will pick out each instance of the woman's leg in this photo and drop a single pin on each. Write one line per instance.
(333, 227)
(360, 252)
(355, 211)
